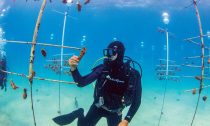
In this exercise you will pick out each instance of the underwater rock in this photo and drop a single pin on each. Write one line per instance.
(87, 1)
(194, 91)
(79, 6)
(64, 1)
(24, 93)
(13, 85)
(33, 73)
(208, 61)
(76, 102)
(44, 53)
(204, 98)
(198, 78)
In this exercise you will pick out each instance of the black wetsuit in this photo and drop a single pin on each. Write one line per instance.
(112, 88)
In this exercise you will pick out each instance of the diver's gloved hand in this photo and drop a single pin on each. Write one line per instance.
(123, 123)
(73, 62)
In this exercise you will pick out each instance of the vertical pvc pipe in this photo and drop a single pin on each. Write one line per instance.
(167, 54)
(61, 63)
(63, 37)
(165, 87)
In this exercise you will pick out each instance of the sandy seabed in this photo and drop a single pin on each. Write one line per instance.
(178, 107)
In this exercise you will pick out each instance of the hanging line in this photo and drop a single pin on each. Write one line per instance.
(163, 102)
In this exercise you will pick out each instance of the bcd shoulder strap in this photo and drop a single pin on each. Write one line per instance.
(132, 83)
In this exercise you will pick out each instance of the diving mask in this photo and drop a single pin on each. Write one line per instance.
(109, 52)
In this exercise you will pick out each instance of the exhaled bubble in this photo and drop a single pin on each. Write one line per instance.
(51, 36)
(208, 34)
(114, 39)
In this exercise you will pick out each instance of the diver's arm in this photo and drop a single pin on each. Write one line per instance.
(136, 101)
(85, 80)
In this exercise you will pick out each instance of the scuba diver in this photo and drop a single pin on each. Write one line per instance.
(3, 66)
(118, 85)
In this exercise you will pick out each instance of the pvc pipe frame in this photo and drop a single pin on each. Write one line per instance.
(42, 44)
(37, 78)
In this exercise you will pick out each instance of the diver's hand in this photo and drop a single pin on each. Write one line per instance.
(73, 62)
(123, 123)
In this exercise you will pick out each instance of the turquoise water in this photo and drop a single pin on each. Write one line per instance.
(134, 23)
